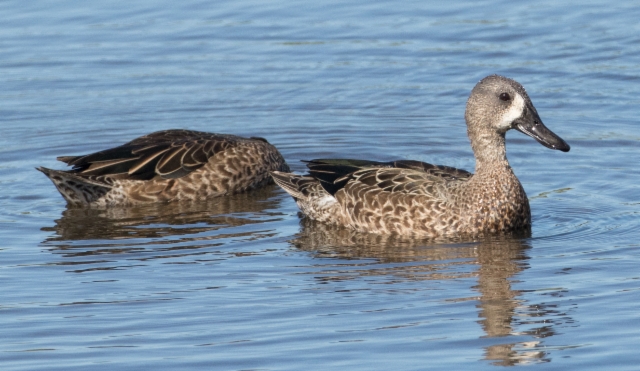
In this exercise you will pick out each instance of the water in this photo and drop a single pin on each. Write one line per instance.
(243, 283)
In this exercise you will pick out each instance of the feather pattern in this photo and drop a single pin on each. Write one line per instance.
(170, 165)
(417, 198)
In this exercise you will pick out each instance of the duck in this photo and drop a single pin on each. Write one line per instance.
(409, 197)
(168, 165)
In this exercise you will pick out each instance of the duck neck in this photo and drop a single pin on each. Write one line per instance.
(490, 152)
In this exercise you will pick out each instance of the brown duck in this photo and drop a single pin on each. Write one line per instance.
(167, 166)
(416, 198)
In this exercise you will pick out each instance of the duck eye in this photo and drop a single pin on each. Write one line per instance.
(505, 97)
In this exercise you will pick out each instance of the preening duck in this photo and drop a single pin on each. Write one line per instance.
(167, 165)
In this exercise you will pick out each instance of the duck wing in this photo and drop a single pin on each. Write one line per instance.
(168, 154)
(404, 176)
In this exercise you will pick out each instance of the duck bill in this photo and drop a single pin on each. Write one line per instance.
(531, 124)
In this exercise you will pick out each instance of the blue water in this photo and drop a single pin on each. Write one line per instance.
(243, 283)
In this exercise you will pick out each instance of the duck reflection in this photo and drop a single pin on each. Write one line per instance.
(497, 258)
(128, 229)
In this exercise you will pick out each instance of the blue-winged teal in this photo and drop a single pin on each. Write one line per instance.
(166, 166)
(411, 197)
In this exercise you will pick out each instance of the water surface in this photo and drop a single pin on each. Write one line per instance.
(243, 282)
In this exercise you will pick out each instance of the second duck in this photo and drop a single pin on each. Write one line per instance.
(168, 165)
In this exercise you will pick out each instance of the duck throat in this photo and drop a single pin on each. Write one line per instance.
(490, 152)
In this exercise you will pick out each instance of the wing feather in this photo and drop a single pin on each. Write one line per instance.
(404, 176)
(168, 154)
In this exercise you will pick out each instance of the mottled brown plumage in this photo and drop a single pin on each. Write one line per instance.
(415, 198)
(166, 166)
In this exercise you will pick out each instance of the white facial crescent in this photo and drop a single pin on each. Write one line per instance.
(514, 111)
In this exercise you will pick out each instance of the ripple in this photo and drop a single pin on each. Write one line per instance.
(240, 283)
(597, 223)
(174, 232)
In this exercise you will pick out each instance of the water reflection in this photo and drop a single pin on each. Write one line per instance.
(494, 260)
(164, 226)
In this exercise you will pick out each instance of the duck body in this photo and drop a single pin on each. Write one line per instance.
(168, 165)
(416, 198)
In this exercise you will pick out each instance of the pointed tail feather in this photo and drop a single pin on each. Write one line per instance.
(76, 190)
(314, 201)
(301, 187)
(289, 182)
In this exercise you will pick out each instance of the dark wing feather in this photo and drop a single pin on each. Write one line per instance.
(169, 154)
(194, 156)
(146, 161)
(171, 161)
(447, 172)
(115, 166)
(334, 174)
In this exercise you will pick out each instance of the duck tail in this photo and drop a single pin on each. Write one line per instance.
(314, 201)
(76, 190)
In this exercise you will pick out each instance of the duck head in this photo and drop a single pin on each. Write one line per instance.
(498, 104)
